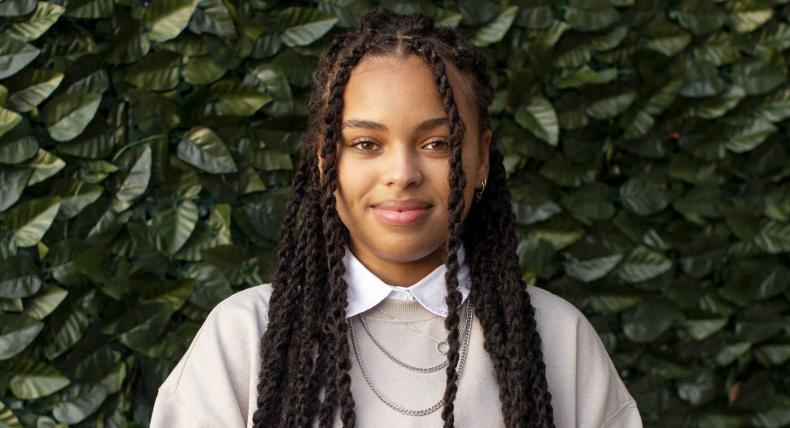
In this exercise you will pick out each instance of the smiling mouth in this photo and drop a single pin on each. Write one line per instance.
(401, 217)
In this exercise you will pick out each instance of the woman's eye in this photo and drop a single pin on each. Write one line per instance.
(365, 145)
(439, 145)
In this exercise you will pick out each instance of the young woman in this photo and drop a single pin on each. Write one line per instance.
(397, 299)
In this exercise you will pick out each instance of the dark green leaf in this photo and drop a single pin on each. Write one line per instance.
(8, 120)
(46, 301)
(749, 15)
(211, 16)
(30, 220)
(148, 329)
(649, 320)
(12, 183)
(589, 203)
(17, 149)
(717, 49)
(759, 77)
(204, 149)
(44, 165)
(173, 223)
(270, 160)
(272, 82)
(532, 205)
(18, 277)
(774, 237)
(170, 293)
(701, 79)
(699, 16)
(158, 71)
(45, 15)
(89, 8)
(33, 379)
(700, 327)
(67, 115)
(202, 70)
(129, 45)
(17, 8)
(235, 99)
(211, 285)
(495, 30)
(612, 301)
(666, 38)
(591, 269)
(610, 102)
(136, 181)
(7, 417)
(746, 133)
(16, 333)
(78, 196)
(773, 354)
(590, 15)
(78, 402)
(347, 12)
(167, 18)
(731, 351)
(699, 389)
(643, 264)
(574, 78)
(303, 26)
(31, 87)
(718, 106)
(95, 83)
(539, 117)
(67, 334)
(14, 55)
(644, 196)
(558, 231)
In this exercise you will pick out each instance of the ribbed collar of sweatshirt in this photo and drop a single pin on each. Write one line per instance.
(366, 290)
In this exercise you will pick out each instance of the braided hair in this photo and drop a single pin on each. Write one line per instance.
(305, 352)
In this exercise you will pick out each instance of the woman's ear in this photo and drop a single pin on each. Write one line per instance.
(485, 148)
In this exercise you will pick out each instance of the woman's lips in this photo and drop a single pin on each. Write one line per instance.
(401, 217)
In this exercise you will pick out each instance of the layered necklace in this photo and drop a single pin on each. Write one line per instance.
(441, 346)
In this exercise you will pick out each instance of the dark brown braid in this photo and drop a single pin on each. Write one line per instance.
(305, 351)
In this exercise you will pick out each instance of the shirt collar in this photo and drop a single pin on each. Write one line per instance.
(366, 290)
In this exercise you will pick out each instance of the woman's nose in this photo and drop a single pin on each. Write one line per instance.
(403, 169)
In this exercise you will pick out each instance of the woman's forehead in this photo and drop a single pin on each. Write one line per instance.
(392, 62)
(380, 82)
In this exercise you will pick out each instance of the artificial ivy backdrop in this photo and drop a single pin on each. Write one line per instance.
(146, 150)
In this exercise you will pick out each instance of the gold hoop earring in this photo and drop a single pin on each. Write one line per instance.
(479, 193)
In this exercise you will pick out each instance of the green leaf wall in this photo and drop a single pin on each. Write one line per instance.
(146, 150)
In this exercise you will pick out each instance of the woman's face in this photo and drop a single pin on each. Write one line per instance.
(393, 164)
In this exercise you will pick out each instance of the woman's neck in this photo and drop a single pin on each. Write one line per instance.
(398, 273)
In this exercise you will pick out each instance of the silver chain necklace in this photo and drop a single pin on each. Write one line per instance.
(441, 345)
(402, 363)
(459, 369)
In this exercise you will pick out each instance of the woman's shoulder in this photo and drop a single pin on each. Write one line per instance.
(254, 299)
(562, 325)
(221, 363)
(553, 309)
(585, 385)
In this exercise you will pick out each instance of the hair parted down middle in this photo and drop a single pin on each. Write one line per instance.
(305, 351)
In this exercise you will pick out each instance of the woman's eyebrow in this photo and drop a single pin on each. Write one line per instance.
(369, 124)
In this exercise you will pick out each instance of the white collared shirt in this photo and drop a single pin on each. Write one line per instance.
(366, 290)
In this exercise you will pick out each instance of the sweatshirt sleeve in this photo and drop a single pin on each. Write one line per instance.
(169, 411)
(214, 384)
(602, 398)
(586, 389)
(626, 417)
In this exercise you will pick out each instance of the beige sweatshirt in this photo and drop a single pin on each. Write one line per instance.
(214, 384)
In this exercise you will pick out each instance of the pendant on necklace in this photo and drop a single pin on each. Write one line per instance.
(442, 347)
